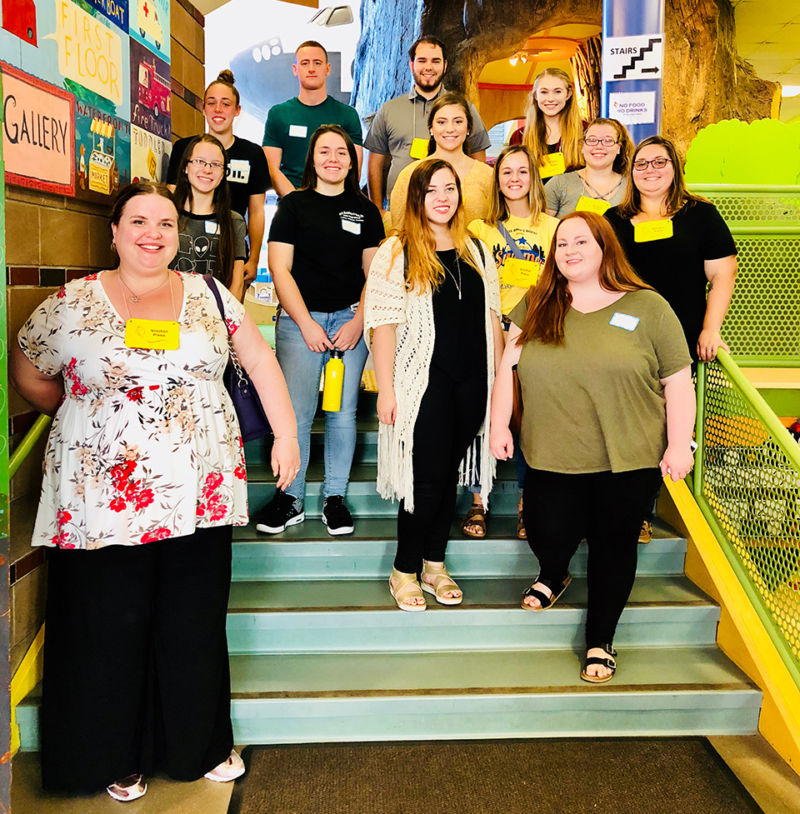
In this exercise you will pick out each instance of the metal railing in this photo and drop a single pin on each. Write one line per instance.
(747, 484)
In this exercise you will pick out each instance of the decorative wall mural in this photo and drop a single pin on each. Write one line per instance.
(107, 62)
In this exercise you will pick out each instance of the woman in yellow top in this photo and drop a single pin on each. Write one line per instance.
(449, 122)
(518, 233)
(553, 126)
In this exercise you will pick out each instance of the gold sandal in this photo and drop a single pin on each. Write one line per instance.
(407, 588)
(442, 583)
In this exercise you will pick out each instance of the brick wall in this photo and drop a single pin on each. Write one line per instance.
(51, 239)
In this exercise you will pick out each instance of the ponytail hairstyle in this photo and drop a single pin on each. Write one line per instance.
(415, 237)
(498, 208)
(449, 98)
(225, 78)
(623, 158)
(534, 136)
(221, 202)
(309, 179)
(549, 300)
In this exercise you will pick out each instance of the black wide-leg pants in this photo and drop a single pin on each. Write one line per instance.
(136, 675)
(605, 508)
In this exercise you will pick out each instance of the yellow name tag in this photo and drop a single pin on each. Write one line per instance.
(652, 230)
(419, 148)
(553, 165)
(152, 334)
(587, 204)
(520, 273)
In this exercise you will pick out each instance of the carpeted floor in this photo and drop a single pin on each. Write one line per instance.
(562, 776)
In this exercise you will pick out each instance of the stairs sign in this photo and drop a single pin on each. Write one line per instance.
(639, 57)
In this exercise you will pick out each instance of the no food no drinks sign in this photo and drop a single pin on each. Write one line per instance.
(639, 57)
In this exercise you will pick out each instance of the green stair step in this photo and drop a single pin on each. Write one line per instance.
(291, 555)
(285, 617)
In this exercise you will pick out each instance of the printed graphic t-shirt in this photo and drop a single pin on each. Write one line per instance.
(198, 244)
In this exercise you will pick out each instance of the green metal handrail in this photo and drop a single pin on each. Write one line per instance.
(24, 447)
(762, 560)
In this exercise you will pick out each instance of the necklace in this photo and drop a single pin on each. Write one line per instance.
(602, 196)
(453, 276)
(134, 297)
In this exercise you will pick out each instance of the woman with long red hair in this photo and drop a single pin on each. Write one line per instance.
(608, 409)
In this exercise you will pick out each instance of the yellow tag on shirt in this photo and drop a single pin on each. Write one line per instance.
(152, 334)
(419, 148)
(520, 273)
(553, 165)
(652, 230)
(587, 204)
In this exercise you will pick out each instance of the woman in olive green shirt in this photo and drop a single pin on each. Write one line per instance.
(608, 409)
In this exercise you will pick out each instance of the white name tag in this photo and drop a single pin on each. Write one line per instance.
(238, 171)
(298, 130)
(212, 227)
(624, 321)
(349, 226)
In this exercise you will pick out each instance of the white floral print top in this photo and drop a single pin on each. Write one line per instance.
(146, 444)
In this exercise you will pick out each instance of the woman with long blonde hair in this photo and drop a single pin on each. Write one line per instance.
(553, 128)
(432, 312)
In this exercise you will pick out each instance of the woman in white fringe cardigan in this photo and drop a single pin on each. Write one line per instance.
(432, 315)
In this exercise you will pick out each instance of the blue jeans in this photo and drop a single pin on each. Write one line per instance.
(302, 369)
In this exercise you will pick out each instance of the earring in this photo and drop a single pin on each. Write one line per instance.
(113, 246)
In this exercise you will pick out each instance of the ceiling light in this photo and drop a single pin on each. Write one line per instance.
(789, 91)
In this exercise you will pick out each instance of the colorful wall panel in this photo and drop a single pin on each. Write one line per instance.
(104, 64)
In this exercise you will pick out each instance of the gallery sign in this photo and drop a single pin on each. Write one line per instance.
(38, 133)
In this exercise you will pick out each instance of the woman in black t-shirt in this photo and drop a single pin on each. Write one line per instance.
(321, 242)
(677, 242)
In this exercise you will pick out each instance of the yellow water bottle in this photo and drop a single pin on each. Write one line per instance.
(334, 378)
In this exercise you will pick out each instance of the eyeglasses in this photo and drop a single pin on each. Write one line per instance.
(209, 165)
(658, 163)
(593, 141)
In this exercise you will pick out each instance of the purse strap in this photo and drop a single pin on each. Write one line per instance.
(212, 284)
(512, 244)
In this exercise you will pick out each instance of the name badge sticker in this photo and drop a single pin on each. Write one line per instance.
(419, 148)
(652, 230)
(553, 165)
(520, 273)
(587, 204)
(152, 334)
(212, 227)
(349, 226)
(625, 321)
(298, 130)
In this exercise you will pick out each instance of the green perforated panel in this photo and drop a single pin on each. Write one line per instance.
(764, 317)
(753, 490)
(756, 209)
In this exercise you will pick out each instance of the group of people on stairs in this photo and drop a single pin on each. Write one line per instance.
(548, 309)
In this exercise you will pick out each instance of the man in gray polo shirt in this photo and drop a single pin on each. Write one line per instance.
(399, 131)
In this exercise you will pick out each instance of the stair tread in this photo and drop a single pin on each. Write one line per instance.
(647, 669)
(505, 593)
(499, 527)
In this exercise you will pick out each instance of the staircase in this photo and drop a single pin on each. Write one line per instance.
(319, 651)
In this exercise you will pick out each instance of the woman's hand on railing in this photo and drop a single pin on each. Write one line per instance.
(677, 462)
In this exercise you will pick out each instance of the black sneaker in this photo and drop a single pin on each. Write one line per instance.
(336, 516)
(282, 511)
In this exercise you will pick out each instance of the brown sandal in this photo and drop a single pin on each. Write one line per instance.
(476, 516)
(521, 533)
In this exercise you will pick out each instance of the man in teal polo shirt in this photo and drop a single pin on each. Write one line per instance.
(290, 124)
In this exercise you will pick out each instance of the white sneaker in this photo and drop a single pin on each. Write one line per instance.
(228, 770)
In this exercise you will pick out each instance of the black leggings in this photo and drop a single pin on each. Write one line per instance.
(605, 508)
(136, 673)
(450, 415)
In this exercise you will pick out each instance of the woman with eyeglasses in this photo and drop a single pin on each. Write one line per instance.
(606, 148)
(212, 236)
(678, 243)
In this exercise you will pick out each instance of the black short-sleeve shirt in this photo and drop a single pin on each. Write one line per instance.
(248, 173)
(675, 266)
(329, 234)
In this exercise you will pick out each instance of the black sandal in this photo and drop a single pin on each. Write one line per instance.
(609, 662)
(545, 602)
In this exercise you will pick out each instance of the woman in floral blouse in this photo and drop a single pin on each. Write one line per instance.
(144, 478)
